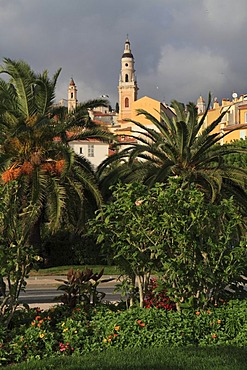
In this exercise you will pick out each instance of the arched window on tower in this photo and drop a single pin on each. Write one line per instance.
(126, 78)
(126, 102)
(71, 96)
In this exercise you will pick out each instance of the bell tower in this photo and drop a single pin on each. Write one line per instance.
(127, 87)
(72, 96)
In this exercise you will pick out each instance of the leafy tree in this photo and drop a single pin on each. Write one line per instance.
(129, 236)
(204, 245)
(237, 159)
(180, 146)
(193, 244)
(35, 151)
(17, 256)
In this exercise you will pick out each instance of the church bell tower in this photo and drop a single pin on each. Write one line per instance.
(127, 87)
(72, 96)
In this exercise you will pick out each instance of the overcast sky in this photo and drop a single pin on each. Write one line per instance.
(182, 48)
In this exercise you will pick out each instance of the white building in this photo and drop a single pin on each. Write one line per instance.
(93, 150)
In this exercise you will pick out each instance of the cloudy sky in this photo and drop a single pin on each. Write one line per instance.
(182, 48)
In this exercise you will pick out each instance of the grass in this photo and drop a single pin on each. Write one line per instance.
(62, 270)
(189, 358)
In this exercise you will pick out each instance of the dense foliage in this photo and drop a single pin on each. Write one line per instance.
(44, 184)
(35, 150)
(63, 331)
(195, 246)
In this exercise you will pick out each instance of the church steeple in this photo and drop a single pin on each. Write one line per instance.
(72, 96)
(127, 87)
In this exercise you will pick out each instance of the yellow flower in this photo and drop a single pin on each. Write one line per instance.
(219, 321)
(117, 328)
(65, 329)
(63, 323)
(104, 340)
(42, 335)
(75, 331)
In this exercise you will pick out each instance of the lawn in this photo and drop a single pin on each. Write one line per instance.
(62, 270)
(190, 358)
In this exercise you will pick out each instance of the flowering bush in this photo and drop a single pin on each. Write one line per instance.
(156, 296)
(63, 331)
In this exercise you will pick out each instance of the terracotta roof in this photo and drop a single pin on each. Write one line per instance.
(70, 134)
(242, 106)
(126, 139)
(98, 113)
(231, 127)
(123, 129)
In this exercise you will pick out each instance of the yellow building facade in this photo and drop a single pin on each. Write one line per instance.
(233, 123)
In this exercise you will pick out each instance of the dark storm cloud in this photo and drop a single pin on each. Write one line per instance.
(182, 48)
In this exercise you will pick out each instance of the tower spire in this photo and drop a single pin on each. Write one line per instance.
(127, 87)
(72, 96)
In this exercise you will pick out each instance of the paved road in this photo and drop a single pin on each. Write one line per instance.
(42, 291)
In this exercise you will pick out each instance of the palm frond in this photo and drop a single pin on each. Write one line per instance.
(23, 79)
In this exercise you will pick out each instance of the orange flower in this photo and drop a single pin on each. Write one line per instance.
(11, 174)
(49, 167)
(198, 313)
(109, 336)
(37, 317)
(27, 168)
(208, 311)
(219, 322)
(33, 323)
(59, 166)
(117, 328)
(141, 323)
(214, 336)
(138, 202)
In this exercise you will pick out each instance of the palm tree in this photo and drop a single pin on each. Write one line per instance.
(35, 151)
(179, 146)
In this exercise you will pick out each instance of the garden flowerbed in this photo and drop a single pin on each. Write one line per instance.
(37, 334)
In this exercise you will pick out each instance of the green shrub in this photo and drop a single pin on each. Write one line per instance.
(63, 331)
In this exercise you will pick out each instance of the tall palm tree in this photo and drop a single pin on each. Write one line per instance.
(179, 146)
(35, 151)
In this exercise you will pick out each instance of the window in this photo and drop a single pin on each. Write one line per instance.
(71, 96)
(91, 150)
(126, 78)
(126, 102)
(81, 150)
(242, 134)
